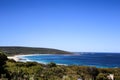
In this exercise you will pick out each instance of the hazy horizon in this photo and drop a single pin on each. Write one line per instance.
(70, 25)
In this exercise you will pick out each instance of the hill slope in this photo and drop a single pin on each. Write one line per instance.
(13, 50)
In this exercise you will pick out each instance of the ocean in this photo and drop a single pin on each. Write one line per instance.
(100, 60)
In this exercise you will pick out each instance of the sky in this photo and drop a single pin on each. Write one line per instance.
(71, 25)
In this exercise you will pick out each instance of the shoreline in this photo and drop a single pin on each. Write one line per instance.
(15, 57)
(19, 58)
(22, 58)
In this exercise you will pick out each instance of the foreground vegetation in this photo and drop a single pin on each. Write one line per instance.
(11, 70)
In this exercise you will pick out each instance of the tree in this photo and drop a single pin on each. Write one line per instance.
(102, 76)
(93, 71)
(52, 65)
(3, 59)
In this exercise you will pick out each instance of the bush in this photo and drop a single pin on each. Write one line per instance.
(52, 65)
(3, 58)
(102, 76)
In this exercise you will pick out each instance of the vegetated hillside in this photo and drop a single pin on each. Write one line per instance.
(36, 71)
(30, 50)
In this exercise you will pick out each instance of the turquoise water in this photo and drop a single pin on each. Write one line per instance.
(106, 60)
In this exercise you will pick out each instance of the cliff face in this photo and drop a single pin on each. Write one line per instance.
(30, 50)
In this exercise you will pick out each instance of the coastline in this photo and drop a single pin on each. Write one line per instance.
(19, 58)
(25, 58)
(15, 57)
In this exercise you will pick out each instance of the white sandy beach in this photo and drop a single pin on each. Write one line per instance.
(16, 58)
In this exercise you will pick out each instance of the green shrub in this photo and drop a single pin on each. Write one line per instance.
(52, 64)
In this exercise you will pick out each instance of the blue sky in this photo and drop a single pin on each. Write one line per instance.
(72, 25)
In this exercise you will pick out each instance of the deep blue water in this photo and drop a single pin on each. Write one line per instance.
(106, 60)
